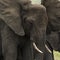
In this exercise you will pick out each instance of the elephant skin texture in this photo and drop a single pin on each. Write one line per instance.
(12, 32)
(53, 27)
(53, 12)
(36, 18)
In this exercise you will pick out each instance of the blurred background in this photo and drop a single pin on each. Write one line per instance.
(56, 55)
(36, 1)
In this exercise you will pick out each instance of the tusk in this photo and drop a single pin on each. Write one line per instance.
(48, 48)
(37, 48)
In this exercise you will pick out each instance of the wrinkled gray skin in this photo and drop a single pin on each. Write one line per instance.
(53, 12)
(14, 38)
(12, 32)
(37, 27)
(36, 18)
(54, 40)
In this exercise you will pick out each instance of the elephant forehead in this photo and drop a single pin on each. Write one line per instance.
(33, 16)
(33, 13)
(36, 9)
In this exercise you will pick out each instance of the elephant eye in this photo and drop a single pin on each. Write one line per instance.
(25, 4)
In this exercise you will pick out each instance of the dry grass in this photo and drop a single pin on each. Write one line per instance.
(56, 55)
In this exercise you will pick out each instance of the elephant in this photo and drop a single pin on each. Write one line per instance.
(53, 27)
(32, 19)
(36, 19)
(14, 34)
(53, 12)
(11, 28)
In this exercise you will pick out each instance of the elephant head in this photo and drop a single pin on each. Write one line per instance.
(34, 23)
(35, 16)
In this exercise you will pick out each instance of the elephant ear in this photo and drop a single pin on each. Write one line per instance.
(53, 11)
(53, 39)
(40, 23)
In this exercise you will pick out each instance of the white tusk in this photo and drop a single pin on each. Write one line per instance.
(48, 48)
(37, 48)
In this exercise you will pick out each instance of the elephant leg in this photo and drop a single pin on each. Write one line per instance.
(9, 43)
